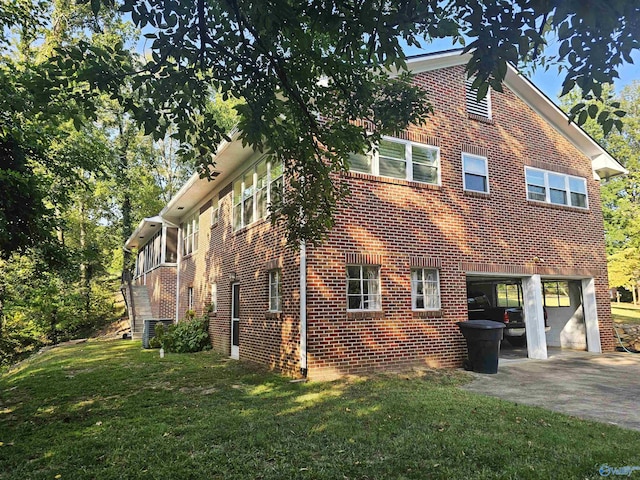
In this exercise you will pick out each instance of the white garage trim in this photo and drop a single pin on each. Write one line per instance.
(534, 317)
(591, 315)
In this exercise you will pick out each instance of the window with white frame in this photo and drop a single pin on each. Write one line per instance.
(255, 190)
(475, 173)
(403, 159)
(214, 297)
(425, 289)
(275, 290)
(215, 210)
(190, 298)
(556, 188)
(481, 108)
(363, 287)
(190, 229)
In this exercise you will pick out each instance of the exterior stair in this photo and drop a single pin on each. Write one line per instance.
(138, 306)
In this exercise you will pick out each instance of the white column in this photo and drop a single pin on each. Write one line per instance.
(591, 315)
(534, 317)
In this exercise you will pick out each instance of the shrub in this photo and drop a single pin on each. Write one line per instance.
(189, 335)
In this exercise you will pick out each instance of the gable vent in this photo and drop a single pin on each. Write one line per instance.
(480, 108)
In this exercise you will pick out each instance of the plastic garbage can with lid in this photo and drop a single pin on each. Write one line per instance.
(483, 343)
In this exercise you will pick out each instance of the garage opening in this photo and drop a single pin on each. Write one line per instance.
(553, 309)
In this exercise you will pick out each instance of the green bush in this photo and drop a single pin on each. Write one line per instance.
(189, 335)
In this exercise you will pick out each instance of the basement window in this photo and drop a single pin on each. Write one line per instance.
(363, 288)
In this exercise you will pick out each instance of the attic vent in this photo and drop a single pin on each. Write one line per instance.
(480, 108)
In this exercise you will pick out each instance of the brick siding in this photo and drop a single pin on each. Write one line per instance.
(399, 225)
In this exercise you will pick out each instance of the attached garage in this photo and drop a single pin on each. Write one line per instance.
(569, 306)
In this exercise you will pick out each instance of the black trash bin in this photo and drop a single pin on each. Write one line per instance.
(483, 343)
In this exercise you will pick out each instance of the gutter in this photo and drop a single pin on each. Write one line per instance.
(178, 267)
(303, 308)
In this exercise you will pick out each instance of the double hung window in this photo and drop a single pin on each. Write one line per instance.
(475, 173)
(190, 228)
(255, 190)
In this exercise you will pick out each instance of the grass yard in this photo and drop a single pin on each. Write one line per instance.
(109, 410)
(625, 313)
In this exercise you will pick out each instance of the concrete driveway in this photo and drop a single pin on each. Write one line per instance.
(601, 387)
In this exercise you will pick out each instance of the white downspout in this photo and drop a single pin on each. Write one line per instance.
(179, 264)
(303, 308)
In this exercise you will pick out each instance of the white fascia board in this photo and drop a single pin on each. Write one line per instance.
(145, 230)
(436, 61)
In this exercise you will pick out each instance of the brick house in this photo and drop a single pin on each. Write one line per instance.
(503, 190)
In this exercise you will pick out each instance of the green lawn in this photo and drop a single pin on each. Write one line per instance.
(625, 313)
(108, 410)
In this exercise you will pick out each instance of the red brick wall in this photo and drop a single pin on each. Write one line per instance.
(500, 232)
(161, 287)
(402, 224)
(248, 254)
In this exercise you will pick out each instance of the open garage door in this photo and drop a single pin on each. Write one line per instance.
(538, 313)
(565, 314)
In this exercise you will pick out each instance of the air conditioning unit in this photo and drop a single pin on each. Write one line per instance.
(149, 329)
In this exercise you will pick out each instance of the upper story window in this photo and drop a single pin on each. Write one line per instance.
(255, 190)
(556, 188)
(215, 210)
(363, 287)
(190, 229)
(403, 159)
(475, 173)
(480, 108)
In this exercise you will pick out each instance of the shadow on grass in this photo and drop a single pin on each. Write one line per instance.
(112, 410)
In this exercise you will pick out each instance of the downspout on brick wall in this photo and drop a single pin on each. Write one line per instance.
(179, 263)
(303, 308)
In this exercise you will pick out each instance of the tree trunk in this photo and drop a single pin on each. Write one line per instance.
(125, 186)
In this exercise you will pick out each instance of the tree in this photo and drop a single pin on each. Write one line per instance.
(317, 79)
(620, 194)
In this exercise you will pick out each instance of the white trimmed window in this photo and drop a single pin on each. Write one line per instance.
(402, 159)
(481, 108)
(255, 190)
(190, 298)
(190, 229)
(556, 188)
(475, 173)
(215, 210)
(425, 289)
(275, 290)
(214, 297)
(363, 287)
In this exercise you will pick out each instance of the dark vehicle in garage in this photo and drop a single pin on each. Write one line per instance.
(500, 301)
